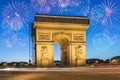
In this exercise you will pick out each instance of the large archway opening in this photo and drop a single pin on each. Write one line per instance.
(62, 52)
(57, 54)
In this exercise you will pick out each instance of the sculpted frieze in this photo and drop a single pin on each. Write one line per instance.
(69, 35)
(78, 37)
(44, 36)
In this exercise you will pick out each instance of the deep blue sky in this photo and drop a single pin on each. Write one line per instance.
(16, 17)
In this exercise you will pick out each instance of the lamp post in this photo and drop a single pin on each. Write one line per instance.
(29, 45)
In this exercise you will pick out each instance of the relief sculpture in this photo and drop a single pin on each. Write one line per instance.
(78, 37)
(44, 36)
(78, 52)
(44, 52)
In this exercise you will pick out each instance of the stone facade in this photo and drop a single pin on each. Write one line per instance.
(69, 32)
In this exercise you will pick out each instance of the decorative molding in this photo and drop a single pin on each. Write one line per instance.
(78, 37)
(44, 36)
(69, 35)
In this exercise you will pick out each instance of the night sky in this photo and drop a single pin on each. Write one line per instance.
(16, 17)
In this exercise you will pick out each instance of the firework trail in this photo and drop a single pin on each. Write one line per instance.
(85, 9)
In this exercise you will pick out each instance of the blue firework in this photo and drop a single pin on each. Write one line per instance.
(66, 7)
(107, 12)
(16, 15)
(11, 39)
(105, 40)
(42, 6)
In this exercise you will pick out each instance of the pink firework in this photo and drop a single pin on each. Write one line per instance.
(42, 6)
(16, 15)
(107, 12)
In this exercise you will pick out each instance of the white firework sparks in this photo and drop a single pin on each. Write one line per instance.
(107, 12)
(11, 39)
(42, 6)
(104, 40)
(16, 15)
(66, 7)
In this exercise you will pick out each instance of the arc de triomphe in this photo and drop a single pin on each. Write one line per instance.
(69, 32)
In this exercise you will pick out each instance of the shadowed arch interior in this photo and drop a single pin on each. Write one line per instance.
(63, 41)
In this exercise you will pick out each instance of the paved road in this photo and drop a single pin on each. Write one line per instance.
(64, 69)
(60, 74)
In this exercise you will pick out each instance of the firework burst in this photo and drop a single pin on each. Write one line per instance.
(85, 9)
(16, 15)
(16, 19)
(107, 12)
(57, 7)
(100, 15)
(66, 7)
(11, 39)
(42, 6)
(104, 40)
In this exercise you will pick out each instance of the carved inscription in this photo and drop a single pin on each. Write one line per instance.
(44, 36)
(78, 37)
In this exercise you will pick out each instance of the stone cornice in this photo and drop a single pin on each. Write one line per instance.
(53, 25)
(62, 19)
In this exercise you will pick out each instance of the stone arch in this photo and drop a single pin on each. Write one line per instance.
(63, 40)
(68, 31)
